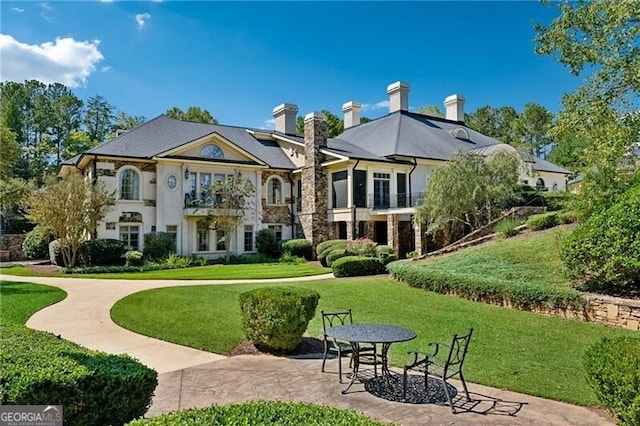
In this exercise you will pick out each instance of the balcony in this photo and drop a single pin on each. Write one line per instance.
(394, 201)
(203, 205)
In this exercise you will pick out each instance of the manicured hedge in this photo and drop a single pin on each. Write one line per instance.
(300, 247)
(262, 413)
(326, 244)
(158, 245)
(277, 317)
(613, 371)
(538, 222)
(356, 266)
(101, 252)
(334, 255)
(38, 368)
(337, 245)
(519, 294)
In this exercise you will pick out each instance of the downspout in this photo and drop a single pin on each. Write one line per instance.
(415, 164)
(293, 205)
(353, 200)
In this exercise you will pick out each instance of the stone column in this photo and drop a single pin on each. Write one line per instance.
(393, 233)
(420, 235)
(314, 215)
(369, 230)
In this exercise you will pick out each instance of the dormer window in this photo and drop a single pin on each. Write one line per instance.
(211, 151)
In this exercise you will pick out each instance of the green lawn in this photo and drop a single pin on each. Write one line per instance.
(213, 272)
(18, 301)
(516, 350)
(532, 257)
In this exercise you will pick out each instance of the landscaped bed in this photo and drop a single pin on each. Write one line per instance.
(519, 351)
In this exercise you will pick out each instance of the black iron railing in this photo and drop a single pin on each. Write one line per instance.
(394, 201)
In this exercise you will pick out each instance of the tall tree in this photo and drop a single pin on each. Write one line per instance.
(99, 118)
(10, 149)
(229, 199)
(77, 143)
(603, 37)
(69, 208)
(532, 129)
(467, 193)
(66, 111)
(193, 113)
(127, 122)
(494, 122)
(568, 152)
(432, 110)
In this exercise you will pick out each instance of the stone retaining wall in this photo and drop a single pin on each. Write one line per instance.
(11, 247)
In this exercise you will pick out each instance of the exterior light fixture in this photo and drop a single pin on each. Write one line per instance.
(186, 173)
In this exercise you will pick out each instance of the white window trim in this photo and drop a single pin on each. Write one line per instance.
(140, 184)
(269, 180)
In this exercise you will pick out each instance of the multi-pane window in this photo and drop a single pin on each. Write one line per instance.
(130, 235)
(248, 238)
(129, 185)
(274, 191)
(221, 241)
(277, 231)
(172, 230)
(381, 182)
(202, 236)
(205, 187)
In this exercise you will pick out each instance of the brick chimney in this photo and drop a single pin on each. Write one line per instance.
(351, 112)
(285, 117)
(314, 216)
(454, 106)
(398, 96)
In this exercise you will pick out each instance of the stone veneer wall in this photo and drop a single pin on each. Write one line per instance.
(11, 246)
(276, 213)
(314, 217)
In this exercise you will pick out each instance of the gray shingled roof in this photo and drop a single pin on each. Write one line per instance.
(163, 134)
(415, 135)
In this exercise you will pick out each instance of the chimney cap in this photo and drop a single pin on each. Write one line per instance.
(285, 108)
(398, 85)
(347, 106)
(453, 98)
(316, 115)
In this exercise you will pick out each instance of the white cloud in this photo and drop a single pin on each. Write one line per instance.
(106, 1)
(105, 69)
(45, 5)
(269, 124)
(141, 19)
(65, 61)
(17, 9)
(377, 105)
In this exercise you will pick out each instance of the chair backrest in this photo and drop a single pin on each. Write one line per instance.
(457, 353)
(334, 319)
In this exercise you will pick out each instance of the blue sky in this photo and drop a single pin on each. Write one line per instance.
(241, 59)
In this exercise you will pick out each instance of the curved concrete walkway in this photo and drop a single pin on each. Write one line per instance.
(192, 378)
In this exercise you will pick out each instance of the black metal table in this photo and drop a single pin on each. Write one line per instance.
(382, 334)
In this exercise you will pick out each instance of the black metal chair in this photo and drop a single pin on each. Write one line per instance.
(441, 366)
(334, 319)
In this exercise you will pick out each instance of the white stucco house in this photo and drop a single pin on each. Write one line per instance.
(365, 182)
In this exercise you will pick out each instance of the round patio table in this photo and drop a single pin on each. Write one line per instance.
(383, 334)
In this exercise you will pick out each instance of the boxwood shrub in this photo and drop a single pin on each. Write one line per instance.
(335, 255)
(101, 252)
(385, 254)
(36, 243)
(277, 317)
(299, 247)
(518, 293)
(538, 222)
(356, 266)
(326, 244)
(339, 245)
(613, 371)
(262, 413)
(94, 388)
(134, 258)
(158, 245)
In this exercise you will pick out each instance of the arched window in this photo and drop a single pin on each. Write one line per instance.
(129, 185)
(555, 187)
(274, 191)
(539, 183)
(211, 151)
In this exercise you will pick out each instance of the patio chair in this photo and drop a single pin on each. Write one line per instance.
(445, 362)
(334, 319)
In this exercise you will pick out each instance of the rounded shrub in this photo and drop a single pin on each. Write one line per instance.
(385, 254)
(334, 255)
(36, 243)
(605, 250)
(326, 244)
(266, 243)
(158, 245)
(134, 258)
(261, 413)
(322, 257)
(538, 222)
(277, 317)
(361, 247)
(94, 388)
(101, 252)
(299, 247)
(355, 266)
(613, 371)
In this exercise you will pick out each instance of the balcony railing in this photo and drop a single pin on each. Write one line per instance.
(394, 201)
